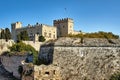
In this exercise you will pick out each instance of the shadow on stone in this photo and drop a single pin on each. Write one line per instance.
(46, 54)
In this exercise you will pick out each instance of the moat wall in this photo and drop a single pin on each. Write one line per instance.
(80, 63)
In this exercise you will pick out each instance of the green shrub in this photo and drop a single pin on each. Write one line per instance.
(22, 47)
(41, 39)
(115, 76)
(100, 34)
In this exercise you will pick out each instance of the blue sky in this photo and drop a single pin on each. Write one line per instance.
(88, 15)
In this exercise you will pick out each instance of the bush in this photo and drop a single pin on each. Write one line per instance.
(115, 76)
(100, 34)
(22, 47)
(41, 39)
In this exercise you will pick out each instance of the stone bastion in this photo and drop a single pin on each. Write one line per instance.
(94, 59)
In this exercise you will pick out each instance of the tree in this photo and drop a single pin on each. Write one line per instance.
(7, 34)
(41, 39)
(3, 34)
(23, 36)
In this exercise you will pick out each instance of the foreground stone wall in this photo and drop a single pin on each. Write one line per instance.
(11, 63)
(80, 63)
(44, 72)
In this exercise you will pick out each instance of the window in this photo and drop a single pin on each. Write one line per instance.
(37, 33)
(31, 34)
(39, 72)
(49, 35)
(53, 36)
(45, 34)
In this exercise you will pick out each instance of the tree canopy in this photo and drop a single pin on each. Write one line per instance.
(23, 35)
(5, 34)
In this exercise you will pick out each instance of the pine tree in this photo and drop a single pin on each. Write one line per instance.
(7, 34)
(2, 34)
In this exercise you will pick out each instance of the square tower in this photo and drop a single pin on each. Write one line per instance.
(15, 26)
(64, 26)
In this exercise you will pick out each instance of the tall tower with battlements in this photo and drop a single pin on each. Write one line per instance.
(64, 26)
(15, 26)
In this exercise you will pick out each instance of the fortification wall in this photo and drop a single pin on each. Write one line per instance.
(36, 45)
(4, 45)
(49, 72)
(80, 63)
(11, 63)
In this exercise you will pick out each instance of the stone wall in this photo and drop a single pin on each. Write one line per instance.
(11, 63)
(44, 72)
(93, 42)
(49, 32)
(36, 45)
(28, 72)
(80, 63)
(4, 45)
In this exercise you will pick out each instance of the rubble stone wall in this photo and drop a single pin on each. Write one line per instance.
(80, 63)
(11, 63)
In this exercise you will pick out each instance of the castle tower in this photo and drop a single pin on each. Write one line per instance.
(15, 26)
(64, 26)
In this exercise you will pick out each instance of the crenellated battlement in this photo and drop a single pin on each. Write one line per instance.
(63, 20)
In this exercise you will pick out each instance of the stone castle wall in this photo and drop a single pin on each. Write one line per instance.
(80, 63)
(36, 45)
(4, 45)
(61, 27)
(49, 32)
(49, 72)
(64, 26)
(93, 59)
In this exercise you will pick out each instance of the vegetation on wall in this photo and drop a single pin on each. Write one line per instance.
(5, 34)
(23, 35)
(115, 76)
(22, 47)
(41, 39)
(100, 34)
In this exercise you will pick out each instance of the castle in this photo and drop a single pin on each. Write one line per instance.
(60, 28)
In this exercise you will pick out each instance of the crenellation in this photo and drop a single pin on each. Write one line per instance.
(62, 20)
